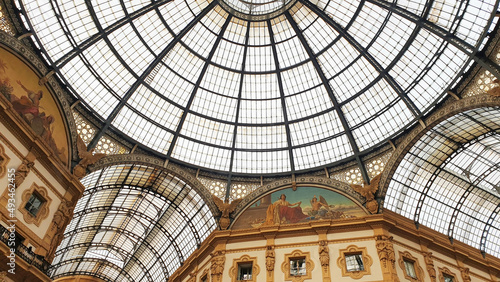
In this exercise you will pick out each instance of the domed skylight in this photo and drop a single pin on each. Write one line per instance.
(259, 86)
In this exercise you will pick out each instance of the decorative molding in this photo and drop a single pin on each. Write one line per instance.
(217, 265)
(449, 109)
(43, 213)
(464, 271)
(4, 160)
(24, 169)
(61, 219)
(387, 256)
(324, 259)
(419, 272)
(429, 263)
(233, 271)
(297, 254)
(353, 249)
(445, 270)
(205, 275)
(270, 262)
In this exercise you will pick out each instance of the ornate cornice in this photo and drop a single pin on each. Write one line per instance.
(451, 108)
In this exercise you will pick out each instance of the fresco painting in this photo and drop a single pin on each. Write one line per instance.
(305, 204)
(19, 84)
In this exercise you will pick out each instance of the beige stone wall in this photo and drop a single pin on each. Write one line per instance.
(340, 236)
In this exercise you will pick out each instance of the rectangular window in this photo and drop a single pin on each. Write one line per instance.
(410, 269)
(34, 204)
(354, 262)
(297, 266)
(244, 271)
(448, 278)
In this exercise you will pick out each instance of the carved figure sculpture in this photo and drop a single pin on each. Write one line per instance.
(465, 274)
(385, 250)
(217, 265)
(429, 262)
(368, 191)
(86, 158)
(22, 171)
(225, 208)
(62, 217)
(270, 258)
(324, 254)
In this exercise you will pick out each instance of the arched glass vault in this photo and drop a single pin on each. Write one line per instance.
(259, 88)
(449, 180)
(133, 223)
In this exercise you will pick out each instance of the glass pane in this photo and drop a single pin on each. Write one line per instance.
(354, 262)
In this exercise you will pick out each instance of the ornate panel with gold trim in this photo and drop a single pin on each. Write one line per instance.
(28, 205)
(363, 266)
(411, 267)
(303, 268)
(244, 260)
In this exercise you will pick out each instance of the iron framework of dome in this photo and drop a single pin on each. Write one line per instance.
(252, 87)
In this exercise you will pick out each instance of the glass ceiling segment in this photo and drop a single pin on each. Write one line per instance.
(125, 221)
(446, 180)
(193, 74)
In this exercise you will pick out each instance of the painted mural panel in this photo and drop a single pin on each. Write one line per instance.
(287, 206)
(19, 84)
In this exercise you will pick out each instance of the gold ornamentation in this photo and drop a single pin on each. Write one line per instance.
(61, 219)
(225, 208)
(419, 272)
(270, 258)
(86, 158)
(4, 160)
(324, 254)
(233, 272)
(445, 271)
(465, 274)
(495, 91)
(43, 212)
(24, 169)
(385, 251)
(429, 262)
(285, 266)
(351, 250)
(217, 265)
(368, 191)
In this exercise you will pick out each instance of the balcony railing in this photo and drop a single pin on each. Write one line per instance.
(25, 253)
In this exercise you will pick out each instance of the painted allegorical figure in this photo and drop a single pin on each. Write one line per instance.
(282, 211)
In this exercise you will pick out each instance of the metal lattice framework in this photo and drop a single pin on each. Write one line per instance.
(266, 90)
(133, 223)
(450, 180)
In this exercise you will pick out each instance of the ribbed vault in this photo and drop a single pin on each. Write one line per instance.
(133, 223)
(449, 180)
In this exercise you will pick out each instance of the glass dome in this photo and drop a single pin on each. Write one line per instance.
(259, 86)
